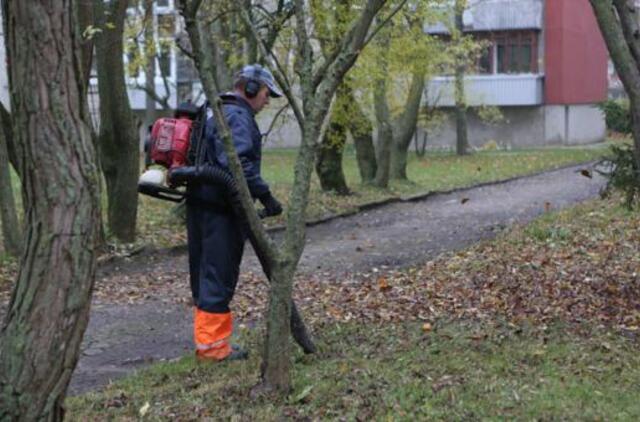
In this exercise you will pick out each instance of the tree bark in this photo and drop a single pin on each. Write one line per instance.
(462, 141)
(619, 29)
(49, 307)
(150, 69)
(83, 15)
(405, 126)
(329, 159)
(11, 231)
(118, 137)
(330, 152)
(383, 117)
(12, 149)
(361, 131)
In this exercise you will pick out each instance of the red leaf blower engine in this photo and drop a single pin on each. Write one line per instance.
(172, 143)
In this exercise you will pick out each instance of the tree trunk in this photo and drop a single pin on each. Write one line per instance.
(620, 27)
(276, 353)
(462, 141)
(7, 128)
(49, 307)
(150, 69)
(11, 232)
(118, 138)
(329, 157)
(383, 119)
(405, 126)
(329, 160)
(362, 132)
(83, 15)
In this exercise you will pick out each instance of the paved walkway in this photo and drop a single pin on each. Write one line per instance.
(121, 338)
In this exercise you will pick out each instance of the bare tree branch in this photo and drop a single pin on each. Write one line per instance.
(273, 122)
(278, 72)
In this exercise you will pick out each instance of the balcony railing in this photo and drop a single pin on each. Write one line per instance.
(497, 90)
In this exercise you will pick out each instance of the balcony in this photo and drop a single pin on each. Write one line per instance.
(496, 90)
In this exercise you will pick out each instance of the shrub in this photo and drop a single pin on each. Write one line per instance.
(623, 174)
(617, 115)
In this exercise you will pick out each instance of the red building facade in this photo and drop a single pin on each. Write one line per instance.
(575, 54)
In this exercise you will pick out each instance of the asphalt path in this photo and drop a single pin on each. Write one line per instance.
(121, 338)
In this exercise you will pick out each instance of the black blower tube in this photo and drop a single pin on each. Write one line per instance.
(218, 176)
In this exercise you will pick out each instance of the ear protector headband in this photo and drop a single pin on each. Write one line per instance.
(252, 87)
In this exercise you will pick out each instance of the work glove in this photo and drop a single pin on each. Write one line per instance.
(271, 206)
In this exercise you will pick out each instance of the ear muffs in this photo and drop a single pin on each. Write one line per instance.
(251, 88)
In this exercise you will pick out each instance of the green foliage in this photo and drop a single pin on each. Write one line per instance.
(617, 115)
(491, 115)
(623, 174)
(545, 233)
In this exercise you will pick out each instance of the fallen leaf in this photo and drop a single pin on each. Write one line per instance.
(144, 409)
(383, 284)
(586, 173)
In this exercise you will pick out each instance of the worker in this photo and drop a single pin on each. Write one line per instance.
(215, 235)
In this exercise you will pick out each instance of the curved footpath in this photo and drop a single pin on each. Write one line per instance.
(121, 338)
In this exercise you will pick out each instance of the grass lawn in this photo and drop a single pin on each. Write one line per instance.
(435, 171)
(457, 371)
(541, 323)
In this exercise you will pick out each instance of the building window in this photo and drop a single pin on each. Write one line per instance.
(508, 52)
(166, 26)
(516, 52)
(164, 59)
(485, 62)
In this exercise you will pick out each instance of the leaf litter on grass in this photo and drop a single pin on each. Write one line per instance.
(578, 265)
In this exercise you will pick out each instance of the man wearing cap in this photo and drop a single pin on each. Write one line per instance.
(215, 236)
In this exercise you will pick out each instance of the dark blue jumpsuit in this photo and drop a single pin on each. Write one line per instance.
(215, 236)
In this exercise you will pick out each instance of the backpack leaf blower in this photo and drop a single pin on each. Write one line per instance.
(175, 143)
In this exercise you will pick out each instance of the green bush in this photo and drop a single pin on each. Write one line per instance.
(617, 115)
(623, 174)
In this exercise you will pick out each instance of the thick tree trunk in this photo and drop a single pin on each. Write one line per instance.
(383, 119)
(11, 232)
(462, 141)
(361, 130)
(329, 157)
(405, 126)
(619, 28)
(329, 160)
(49, 308)
(118, 138)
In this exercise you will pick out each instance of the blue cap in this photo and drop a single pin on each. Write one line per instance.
(262, 75)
